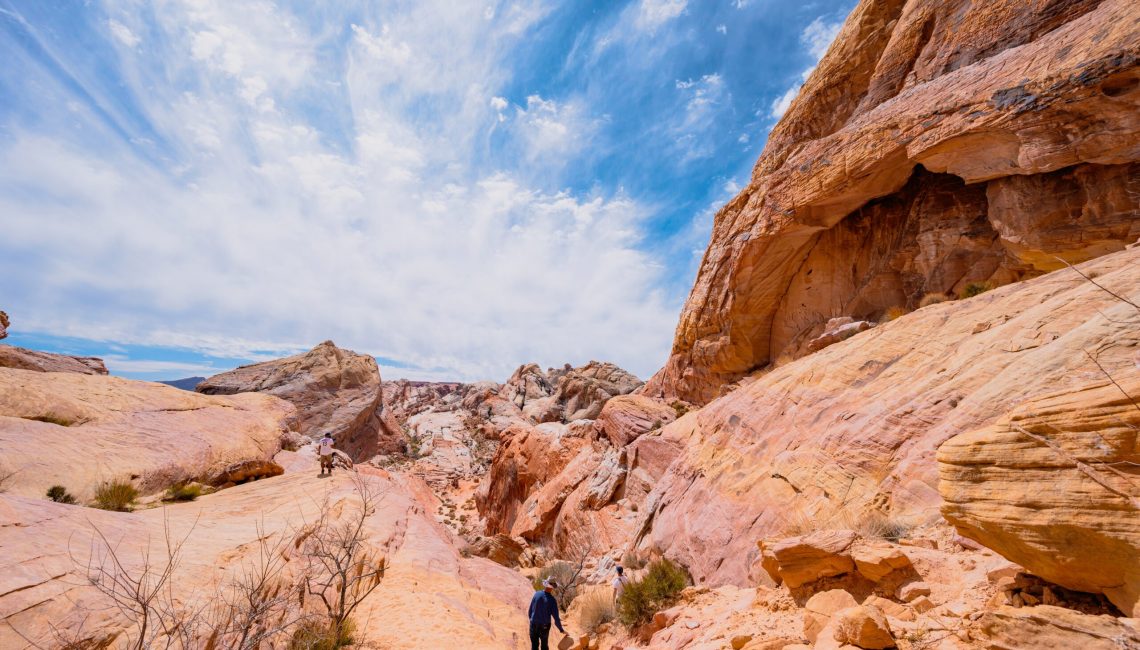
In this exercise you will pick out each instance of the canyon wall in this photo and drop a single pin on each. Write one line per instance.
(938, 148)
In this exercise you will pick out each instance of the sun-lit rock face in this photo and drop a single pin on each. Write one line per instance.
(854, 428)
(77, 430)
(1054, 487)
(34, 360)
(335, 391)
(938, 145)
(45, 594)
(4, 324)
(566, 394)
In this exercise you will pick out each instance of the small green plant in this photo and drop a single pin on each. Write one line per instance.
(59, 494)
(318, 634)
(975, 289)
(656, 590)
(597, 608)
(680, 408)
(933, 299)
(183, 492)
(117, 495)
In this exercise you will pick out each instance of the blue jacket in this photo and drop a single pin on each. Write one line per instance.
(542, 608)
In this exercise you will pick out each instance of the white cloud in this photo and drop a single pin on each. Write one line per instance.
(119, 364)
(271, 230)
(704, 97)
(816, 38)
(723, 29)
(655, 13)
(122, 33)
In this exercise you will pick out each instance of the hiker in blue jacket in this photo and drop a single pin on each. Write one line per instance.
(542, 607)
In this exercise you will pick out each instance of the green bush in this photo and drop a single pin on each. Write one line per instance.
(183, 492)
(320, 634)
(976, 288)
(59, 494)
(117, 495)
(656, 590)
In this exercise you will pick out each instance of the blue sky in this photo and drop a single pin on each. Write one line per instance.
(453, 187)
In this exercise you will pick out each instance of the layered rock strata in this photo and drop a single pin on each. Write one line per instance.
(937, 147)
(335, 391)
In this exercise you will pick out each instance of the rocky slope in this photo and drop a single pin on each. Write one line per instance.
(23, 359)
(78, 430)
(335, 391)
(852, 430)
(937, 145)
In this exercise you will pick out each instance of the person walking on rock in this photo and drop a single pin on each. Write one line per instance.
(543, 606)
(619, 584)
(325, 451)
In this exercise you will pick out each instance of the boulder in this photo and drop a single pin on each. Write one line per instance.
(77, 430)
(836, 330)
(500, 548)
(923, 155)
(1054, 628)
(21, 359)
(912, 591)
(821, 607)
(1043, 487)
(856, 427)
(863, 627)
(810, 557)
(248, 470)
(4, 324)
(876, 560)
(626, 417)
(335, 391)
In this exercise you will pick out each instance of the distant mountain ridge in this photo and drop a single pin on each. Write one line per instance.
(188, 383)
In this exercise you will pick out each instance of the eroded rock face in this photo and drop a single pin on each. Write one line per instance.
(1010, 628)
(1053, 487)
(77, 430)
(4, 324)
(22, 359)
(335, 391)
(625, 418)
(937, 145)
(855, 426)
(567, 394)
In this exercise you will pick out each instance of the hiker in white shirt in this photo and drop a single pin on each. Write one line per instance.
(325, 451)
(619, 583)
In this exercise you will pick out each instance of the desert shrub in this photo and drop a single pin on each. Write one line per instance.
(597, 607)
(6, 477)
(566, 575)
(656, 590)
(117, 495)
(933, 299)
(59, 494)
(183, 491)
(53, 419)
(880, 525)
(317, 634)
(976, 288)
(895, 312)
(680, 408)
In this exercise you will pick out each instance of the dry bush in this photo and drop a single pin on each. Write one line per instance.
(341, 567)
(633, 561)
(895, 312)
(316, 634)
(59, 494)
(118, 495)
(976, 288)
(933, 299)
(6, 477)
(183, 492)
(565, 574)
(596, 607)
(800, 520)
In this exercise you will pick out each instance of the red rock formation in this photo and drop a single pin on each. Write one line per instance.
(938, 144)
(22, 359)
(335, 391)
(854, 428)
(4, 324)
(568, 394)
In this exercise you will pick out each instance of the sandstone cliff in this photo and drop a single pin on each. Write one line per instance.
(937, 145)
(22, 359)
(335, 391)
(853, 429)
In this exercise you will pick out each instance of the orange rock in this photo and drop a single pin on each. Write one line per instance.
(1050, 460)
(811, 557)
(863, 627)
(626, 417)
(335, 391)
(1009, 628)
(821, 607)
(925, 153)
(877, 559)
